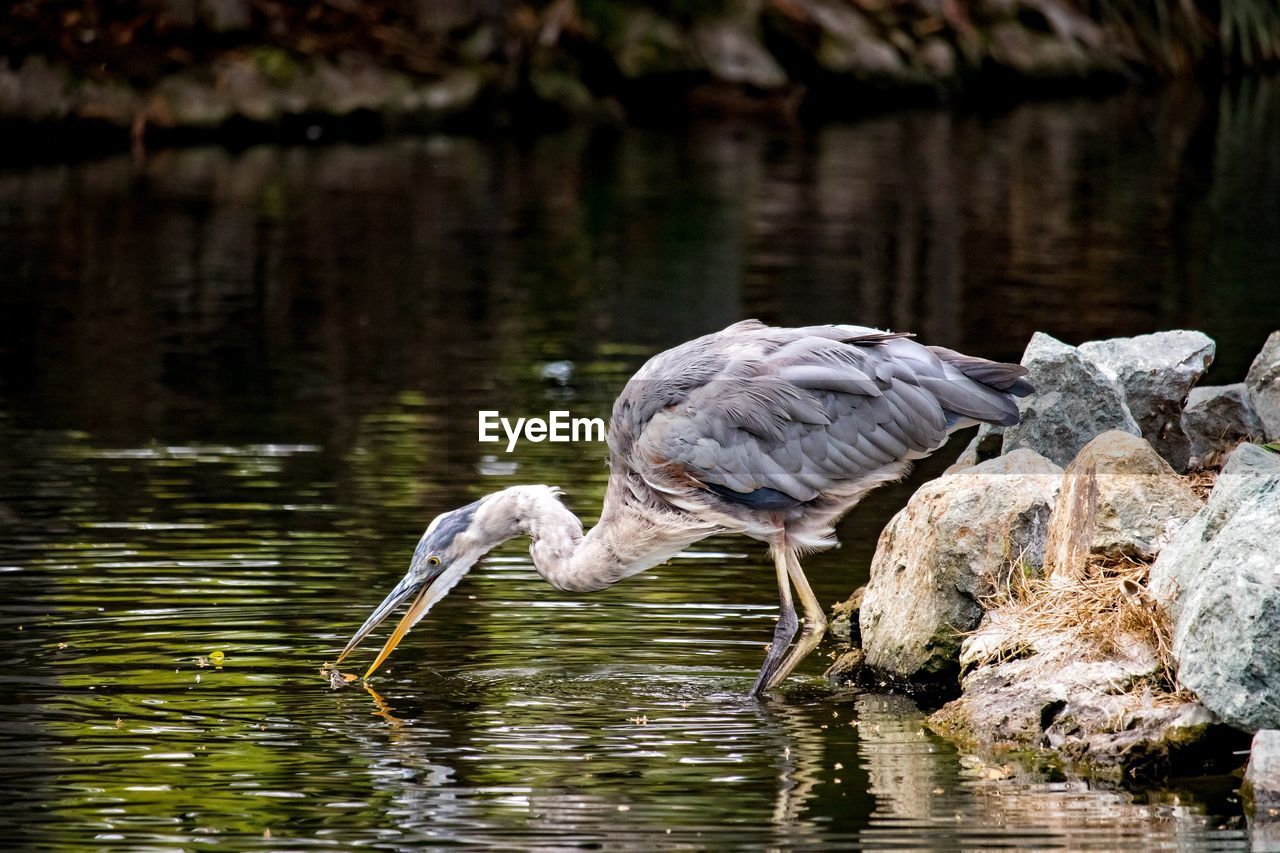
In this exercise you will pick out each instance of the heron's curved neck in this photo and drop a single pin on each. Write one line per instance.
(627, 540)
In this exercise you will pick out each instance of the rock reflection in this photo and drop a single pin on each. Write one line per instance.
(923, 787)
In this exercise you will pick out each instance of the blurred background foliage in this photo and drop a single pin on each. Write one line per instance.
(156, 65)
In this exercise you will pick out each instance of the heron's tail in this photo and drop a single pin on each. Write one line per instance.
(983, 390)
(999, 375)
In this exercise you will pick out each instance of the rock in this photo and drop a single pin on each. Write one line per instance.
(1068, 23)
(846, 668)
(1086, 711)
(938, 58)
(37, 91)
(844, 618)
(946, 550)
(1074, 401)
(1261, 788)
(108, 101)
(187, 100)
(1156, 372)
(1141, 502)
(1262, 776)
(1072, 523)
(648, 45)
(450, 95)
(355, 84)
(1263, 383)
(1037, 55)
(1219, 577)
(225, 16)
(986, 444)
(1215, 420)
(248, 91)
(734, 54)
(848, 44)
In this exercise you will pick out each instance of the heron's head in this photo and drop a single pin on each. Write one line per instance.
(450, 547)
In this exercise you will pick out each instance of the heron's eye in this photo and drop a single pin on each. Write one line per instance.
(433, 560)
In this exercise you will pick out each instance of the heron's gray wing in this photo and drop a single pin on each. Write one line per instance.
(800, 416)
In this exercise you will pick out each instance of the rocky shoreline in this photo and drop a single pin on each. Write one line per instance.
(213, 68)
(1099, 585)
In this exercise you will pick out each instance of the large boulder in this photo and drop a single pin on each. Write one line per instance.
(1140, 501)
(1156, 372)
(1219, 577)
(1085, 709)
(1216, 419)
(1261, 790)
(944, 552)
(1263, 383)
(1073, 402)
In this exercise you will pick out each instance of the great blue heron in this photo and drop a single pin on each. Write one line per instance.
(774, 433)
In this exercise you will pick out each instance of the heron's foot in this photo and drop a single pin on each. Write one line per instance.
(783, 633)
(815, 627)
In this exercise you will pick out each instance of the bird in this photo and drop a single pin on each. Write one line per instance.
(774, 433)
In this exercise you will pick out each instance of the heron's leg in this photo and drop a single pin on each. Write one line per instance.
(786, 627)
(815, 623)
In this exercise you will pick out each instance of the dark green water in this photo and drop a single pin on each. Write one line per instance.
(236, 387)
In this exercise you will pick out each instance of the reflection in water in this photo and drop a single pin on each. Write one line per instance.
(923, 789)
(236, 386)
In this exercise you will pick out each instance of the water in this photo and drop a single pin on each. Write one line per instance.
(237, 386)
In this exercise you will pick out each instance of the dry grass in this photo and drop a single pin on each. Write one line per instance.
(1102, 614)
(1201, 482)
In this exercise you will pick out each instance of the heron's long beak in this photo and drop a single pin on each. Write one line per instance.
(428, 592)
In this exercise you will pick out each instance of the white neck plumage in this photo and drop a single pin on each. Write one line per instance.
(626, 541)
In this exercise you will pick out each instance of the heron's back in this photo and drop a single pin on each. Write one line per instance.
(791, 420)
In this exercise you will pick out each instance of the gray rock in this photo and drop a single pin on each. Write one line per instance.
(986, 444)
(1219, 577)
(187, 100)
(647, 44)
(1074, 401)
(1216, 419)
(225, 16)
(1068, 23)
(938, 58)
(734, 54)
(1156, 372)
(946, 550)
(110, 101)
(1263, 383)
(1261, 788)
(1037, 55)
(1141, 502)
(1082, 709)
(849, 45)
(36, 91)
(452, 94)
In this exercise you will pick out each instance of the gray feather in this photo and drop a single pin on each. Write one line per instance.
(801, 412)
